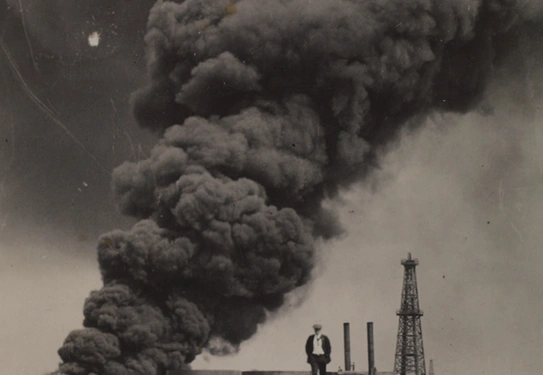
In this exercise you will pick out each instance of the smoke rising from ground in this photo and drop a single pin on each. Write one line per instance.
(266, 109)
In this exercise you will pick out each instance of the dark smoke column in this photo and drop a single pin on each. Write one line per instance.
(266, 108)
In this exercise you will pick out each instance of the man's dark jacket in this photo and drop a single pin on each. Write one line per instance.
(326, 347)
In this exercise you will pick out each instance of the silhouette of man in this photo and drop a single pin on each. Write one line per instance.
(318, 350)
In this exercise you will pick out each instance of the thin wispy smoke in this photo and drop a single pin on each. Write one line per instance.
(266, 109)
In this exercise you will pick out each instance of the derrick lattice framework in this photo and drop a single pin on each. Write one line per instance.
(409, 359)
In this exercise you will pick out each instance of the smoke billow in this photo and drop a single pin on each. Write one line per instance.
(266, 108)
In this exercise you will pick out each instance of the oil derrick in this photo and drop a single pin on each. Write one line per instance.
(409, 359)
(431, 369)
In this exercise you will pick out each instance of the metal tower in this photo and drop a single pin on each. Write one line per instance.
(431, 369)
(409, 357)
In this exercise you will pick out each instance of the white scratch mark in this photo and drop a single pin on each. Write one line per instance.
(521, 237)
(41, 105)
(26, 36)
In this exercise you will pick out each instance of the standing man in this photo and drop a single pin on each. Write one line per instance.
(318, 350)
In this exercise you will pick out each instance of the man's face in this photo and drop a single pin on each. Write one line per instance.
(317, 330)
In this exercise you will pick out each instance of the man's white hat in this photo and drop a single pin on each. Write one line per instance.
(317, 326)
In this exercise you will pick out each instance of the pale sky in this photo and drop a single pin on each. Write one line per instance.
(466, 201)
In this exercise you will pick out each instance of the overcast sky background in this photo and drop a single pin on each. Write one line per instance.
(463, 194)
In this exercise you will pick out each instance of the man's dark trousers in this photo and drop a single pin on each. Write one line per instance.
(318, 364)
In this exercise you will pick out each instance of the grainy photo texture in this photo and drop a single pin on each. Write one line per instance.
(256, 187)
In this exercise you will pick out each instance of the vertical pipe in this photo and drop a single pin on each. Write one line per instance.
(371, 359)
(347, 346)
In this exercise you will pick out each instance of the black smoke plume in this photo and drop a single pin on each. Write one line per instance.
(267, 107)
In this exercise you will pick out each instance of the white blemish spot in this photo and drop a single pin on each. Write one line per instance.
(94, 39)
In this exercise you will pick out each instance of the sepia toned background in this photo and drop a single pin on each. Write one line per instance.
(462, 192)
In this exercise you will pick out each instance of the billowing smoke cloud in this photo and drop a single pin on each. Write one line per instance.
(267, 108)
